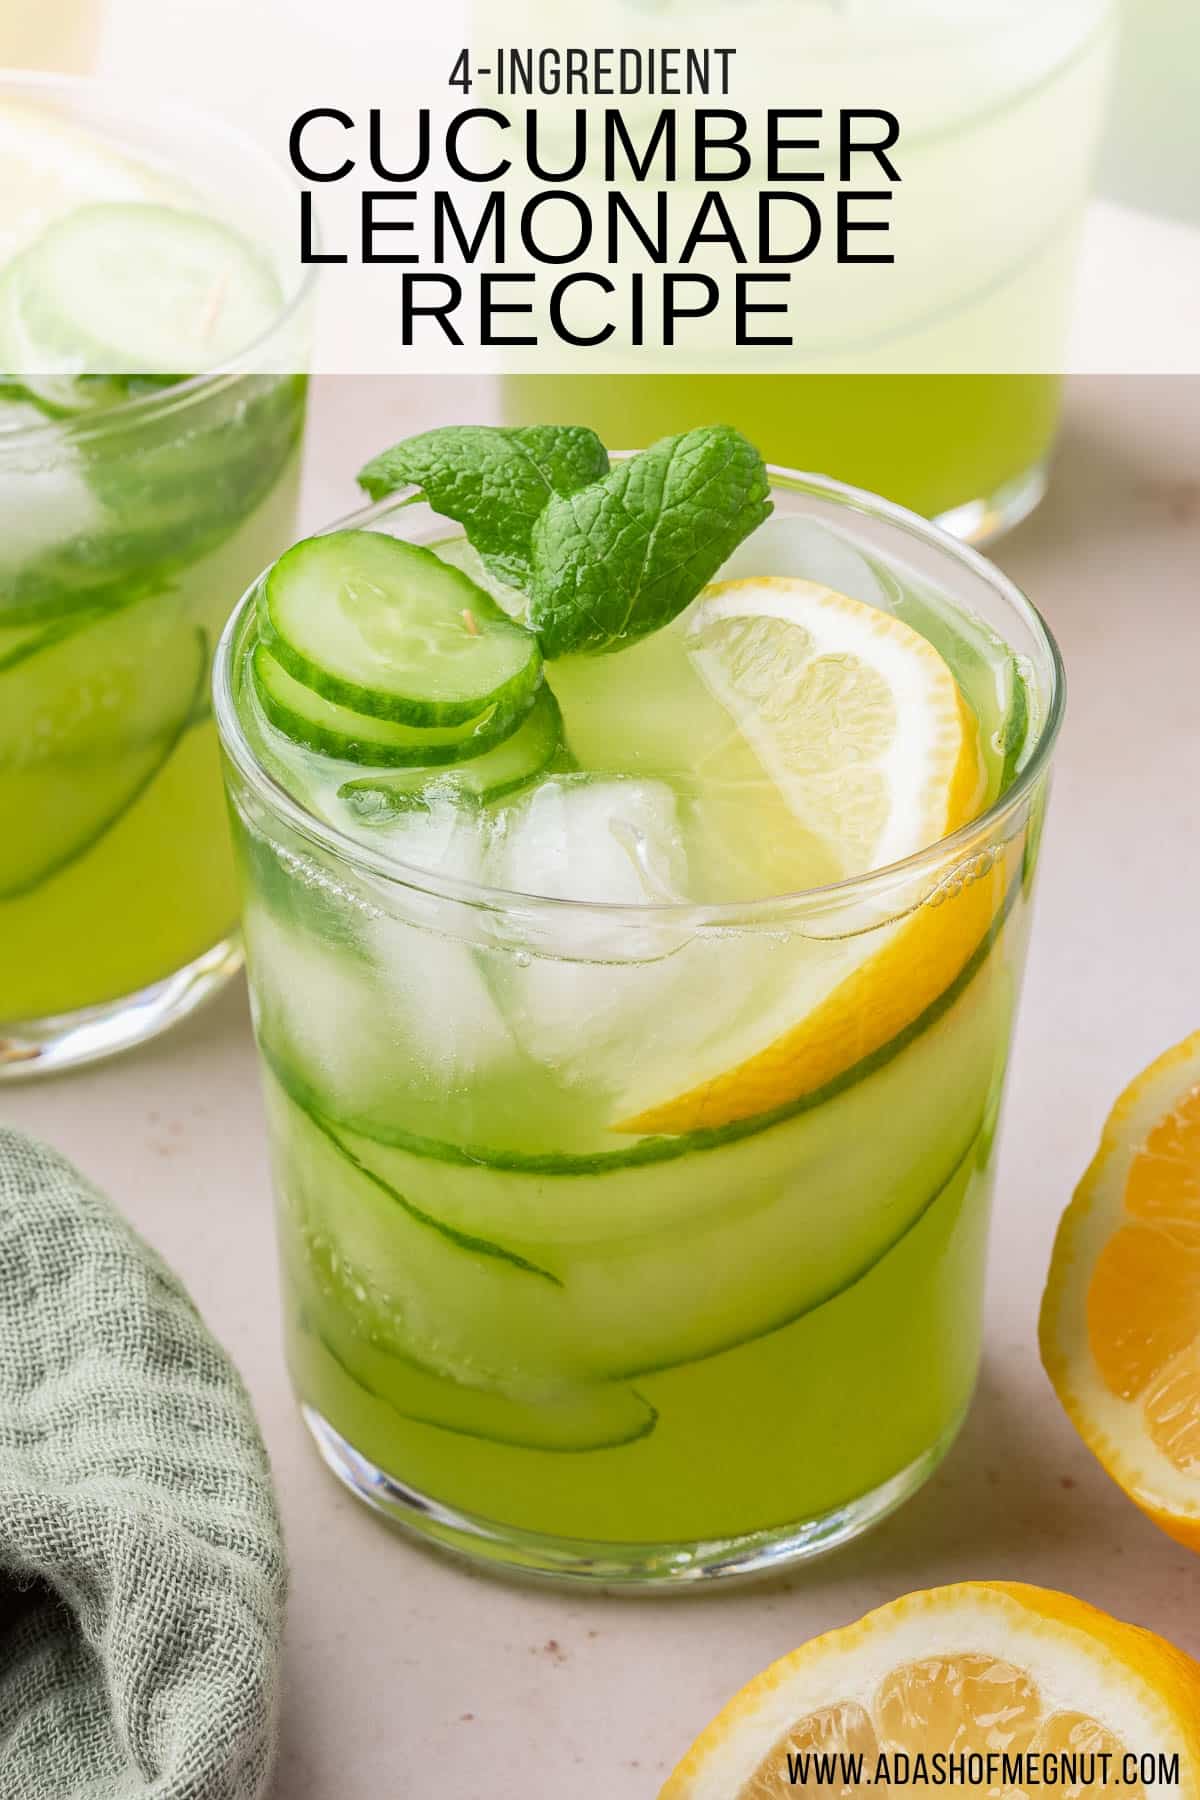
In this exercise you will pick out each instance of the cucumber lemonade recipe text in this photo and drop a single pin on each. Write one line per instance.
(588, 225)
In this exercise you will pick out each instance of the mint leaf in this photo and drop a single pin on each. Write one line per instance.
(621, 558)
(493, 481)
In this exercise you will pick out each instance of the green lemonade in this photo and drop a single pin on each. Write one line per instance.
(930, 442)
(519, 1309)
(938, 385)
(132, 504)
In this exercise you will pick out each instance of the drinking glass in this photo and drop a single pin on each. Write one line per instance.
(704, 1339)
(124, 532)
(941, 389)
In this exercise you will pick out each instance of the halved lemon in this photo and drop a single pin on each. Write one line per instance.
(982, 1666)
(872, 745)
(1120, 1325)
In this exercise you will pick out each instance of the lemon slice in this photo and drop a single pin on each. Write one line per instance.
(1120, 1325)
(978, 1667)
(867, 737)
(854, 714)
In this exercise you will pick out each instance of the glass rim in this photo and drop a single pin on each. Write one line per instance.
(153, 406)
(957, 846)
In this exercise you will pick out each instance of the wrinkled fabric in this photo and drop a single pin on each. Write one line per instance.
(141, 1564)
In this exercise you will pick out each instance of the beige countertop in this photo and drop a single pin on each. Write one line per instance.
(407, 1676)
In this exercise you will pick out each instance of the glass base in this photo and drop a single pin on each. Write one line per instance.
(618, 1566)
(980, 522)
(48, 1046)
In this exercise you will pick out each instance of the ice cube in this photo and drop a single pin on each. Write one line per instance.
(613, 839)
(46, 504)
(424, 944)
(583, 989)
(387, 1024)
(438, 829)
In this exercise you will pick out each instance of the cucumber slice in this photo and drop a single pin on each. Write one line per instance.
(520, 759)
(1016, 731)
(984, 667)
(703, 1245)
(476, 1246)
(289, 1056)
(687, 1262)
(98, 528)
(603, 1416)
(90, 688)
(335, 730)
(426, 1294)
(68, 396)
(390, 630)
(133, 288)
(606, 1416)
(66, 782)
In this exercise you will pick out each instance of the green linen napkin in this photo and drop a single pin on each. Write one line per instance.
(141, 1565)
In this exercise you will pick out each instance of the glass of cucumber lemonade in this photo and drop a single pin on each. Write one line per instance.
(636, 859)
(954, 399)
(149, 453)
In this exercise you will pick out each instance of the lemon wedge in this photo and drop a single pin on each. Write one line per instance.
(973, 1668)
(866, 735)
(1120, 1324)
(854, 714)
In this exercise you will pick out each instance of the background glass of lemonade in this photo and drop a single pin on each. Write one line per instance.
(124, 530)
(640, 1353)
(1000, 106)
(1152, 147)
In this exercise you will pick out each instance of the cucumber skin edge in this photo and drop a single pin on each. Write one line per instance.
(647, 1426)
(382, 784)
(176, 738)
(379, 756)
(462, 1240)
(641, 1371)
(427, 714)
(644, 1370)
(142, 573)
(397, 709)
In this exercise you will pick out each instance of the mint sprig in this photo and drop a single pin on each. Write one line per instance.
(605, 556)
(495, 482)
(622, 557)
